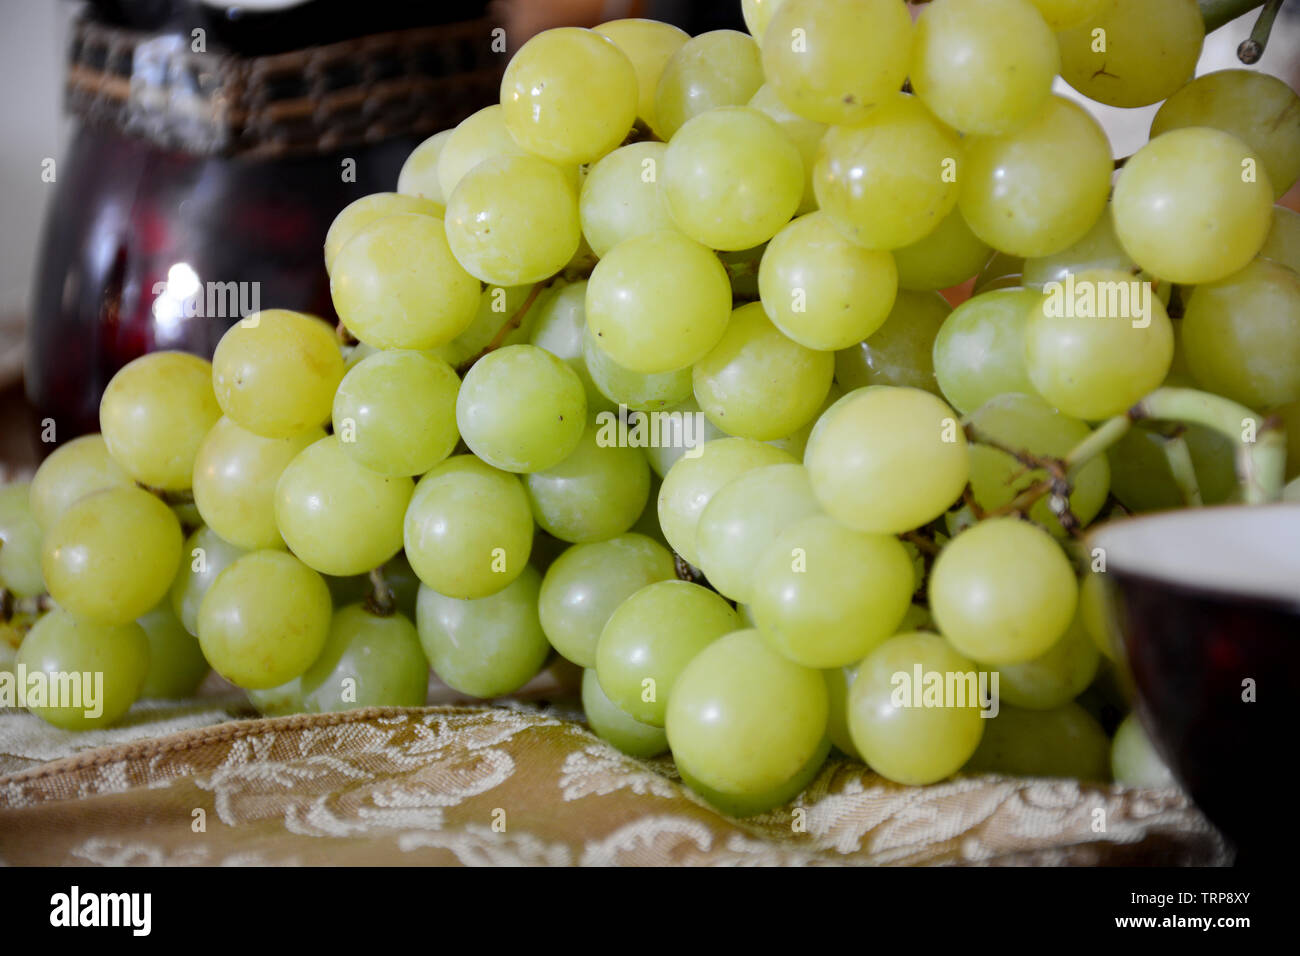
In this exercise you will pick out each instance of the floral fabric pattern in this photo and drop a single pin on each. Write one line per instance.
(530, 785)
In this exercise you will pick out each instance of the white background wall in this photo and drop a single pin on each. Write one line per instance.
(32, 37)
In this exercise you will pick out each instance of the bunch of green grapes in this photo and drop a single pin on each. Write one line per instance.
(770, 380)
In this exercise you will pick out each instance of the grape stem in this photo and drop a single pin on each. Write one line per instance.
(1252, 48)
(1216, 13)
(381, 601)
(687, 571)
(1179, 457)
(1259, 444)
(510, 325)
(923, 543)
(1260, 451)
(12, 606)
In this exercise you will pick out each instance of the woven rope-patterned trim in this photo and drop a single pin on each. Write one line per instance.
(315, 100)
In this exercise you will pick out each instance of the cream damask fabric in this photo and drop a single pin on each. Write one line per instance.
(529, 785)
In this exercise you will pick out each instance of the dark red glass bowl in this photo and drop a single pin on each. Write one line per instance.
(1205, 608)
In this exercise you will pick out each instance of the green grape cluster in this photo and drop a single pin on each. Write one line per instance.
(765, 378)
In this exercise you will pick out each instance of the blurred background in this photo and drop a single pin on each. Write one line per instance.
(100, 209)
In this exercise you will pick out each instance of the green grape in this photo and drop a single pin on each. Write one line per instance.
(275, 372)
(569, 95)
(887, 460)
(497, 306)
(731, 178)
(112, 555)
(1098, 344)
(648, 523)
(560, 328)
(396, 285)
(899, 737)
(513, 220)
(154, 413)
(822, 290)
(693, 481)
(1000, 272)
(362, 212)
(743, 517)
(264, 620)
(1193, 205)
(111, 659)
(405, 585)
(719, 68)
(1134, 761)
(278, 701)
(825, 595)
(1063, 14)
(756, 383)
(946, 256)
(1027, 423)
(984, 66)
(479, 136)
(649, 45)
(1062, 742)
(176, 662)
(235, 474)
(615, 727)
(419, 174)
(20, 542)
(1040, 188)
(187, 514)
(1003, 591)
(521, 409)
(649, 640)
(1141, 478)
(658, 303)
(469, 528)
(616, 385)
(396, 412)
(1145, 51)
(368, 661)
(598, 492)
(743, 719)
(806, 135)
(621, 197)
(838, 682)
(1242, 335)
(203, 556)
(588, 581)
(1093, 614)
(681, 428)
(1098, 249)
(1257, 108)
(797, 441)
(337, 516)
(758, 14)
(1283, 242)
(901, 351)
(1056, 676)
(71, 472)
(980, 349)
(891, 179)
(753, 802)
(487, 647)
(834, 61)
